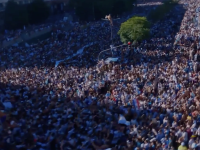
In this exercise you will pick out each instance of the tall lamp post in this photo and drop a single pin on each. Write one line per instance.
(109, 18)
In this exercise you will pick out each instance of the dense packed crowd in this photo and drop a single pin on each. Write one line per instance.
(149, 100)
(12, 37)
(14, 34)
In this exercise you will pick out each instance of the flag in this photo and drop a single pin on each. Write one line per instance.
(136, 104)
(122, 120)
(108, 60)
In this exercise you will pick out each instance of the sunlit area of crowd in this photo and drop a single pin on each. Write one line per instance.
(63, 94)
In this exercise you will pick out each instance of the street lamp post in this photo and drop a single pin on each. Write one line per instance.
(109, 18)
(111, 28)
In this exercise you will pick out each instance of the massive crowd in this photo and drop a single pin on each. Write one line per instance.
(149, 100)
(13, 37)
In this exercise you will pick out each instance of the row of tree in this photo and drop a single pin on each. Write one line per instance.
(96, 9)
(17, 16)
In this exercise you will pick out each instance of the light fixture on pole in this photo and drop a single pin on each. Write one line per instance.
(109, 18)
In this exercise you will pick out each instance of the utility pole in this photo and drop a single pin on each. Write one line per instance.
(109, 18)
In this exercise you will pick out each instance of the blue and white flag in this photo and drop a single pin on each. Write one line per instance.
(136, 104)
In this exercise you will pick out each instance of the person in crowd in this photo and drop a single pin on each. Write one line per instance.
(149, 100)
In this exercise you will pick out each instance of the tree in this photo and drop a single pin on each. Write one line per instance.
(38, 11)
(15, 16)
(134, 29)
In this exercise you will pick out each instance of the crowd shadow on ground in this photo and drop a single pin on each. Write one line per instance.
(76, 61)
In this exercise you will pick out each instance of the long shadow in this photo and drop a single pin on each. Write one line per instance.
(44, 55)
(20, 61)
(13, 54)
(24, 86)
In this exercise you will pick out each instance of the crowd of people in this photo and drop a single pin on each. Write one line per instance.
(13, 36)
(148, 100)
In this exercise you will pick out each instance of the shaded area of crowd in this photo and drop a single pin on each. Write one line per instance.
(150, 100)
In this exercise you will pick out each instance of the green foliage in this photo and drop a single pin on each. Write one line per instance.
(86, 9)
(134, 29)
(15, 16)
(38, 11)
(162, 10)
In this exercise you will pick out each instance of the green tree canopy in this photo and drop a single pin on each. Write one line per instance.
(15, 16)
(134, 29)
(38, 11)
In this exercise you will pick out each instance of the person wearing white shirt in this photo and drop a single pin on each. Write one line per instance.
(178, 133)
(191, 141)
(198, 131)
(174, 124)
(195, 66)
(184, 135)
(134, 130)
(196, 55)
